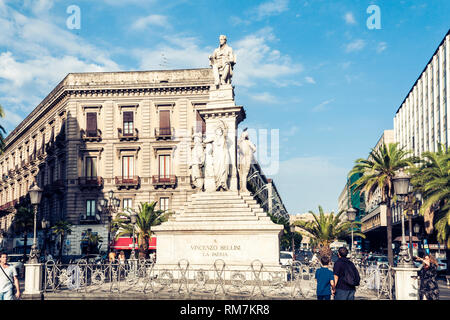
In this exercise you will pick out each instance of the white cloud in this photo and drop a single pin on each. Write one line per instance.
(310, 80)
(271, 8)
(306, 182)
(257, 60)
(321, 106)
(356, 45)
(128, 2)
(151, 20)
(381, 47)
(40, 54)
(349, 18)
(264, 97)
(175, 53)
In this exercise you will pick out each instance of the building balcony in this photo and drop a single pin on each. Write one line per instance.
(128, 182)
(55, 186)
(9, 206)
(94, 135)
(32, 158)
(128, 136)
(85, 219)
(90, 182)
(169, 181)
(164, 133)
(41, 153)
(24, 164)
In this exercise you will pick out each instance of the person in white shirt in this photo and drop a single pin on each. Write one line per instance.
(7, 274)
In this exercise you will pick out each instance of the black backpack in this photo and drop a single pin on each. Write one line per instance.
(351, 275)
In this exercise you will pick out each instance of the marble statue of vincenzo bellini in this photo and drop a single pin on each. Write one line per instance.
(222, 62)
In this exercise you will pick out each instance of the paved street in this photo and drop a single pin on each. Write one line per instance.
(443, 289)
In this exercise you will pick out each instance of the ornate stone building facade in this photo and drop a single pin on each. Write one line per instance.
(130, 132)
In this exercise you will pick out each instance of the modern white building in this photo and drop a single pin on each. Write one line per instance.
(421, 121)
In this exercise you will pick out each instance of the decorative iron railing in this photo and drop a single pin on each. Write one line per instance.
(209, 281)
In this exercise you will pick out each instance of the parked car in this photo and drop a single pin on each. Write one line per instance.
(286, 258)
(16, 260)
(304, 256)
(380, 261)
(442, 265)
(90, 258)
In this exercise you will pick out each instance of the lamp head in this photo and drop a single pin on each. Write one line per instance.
(401, 183)
(35, 194)
(351, 214)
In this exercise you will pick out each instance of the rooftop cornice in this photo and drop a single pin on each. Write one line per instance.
(106, 84)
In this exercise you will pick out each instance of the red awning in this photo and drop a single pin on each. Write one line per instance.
(127, 244)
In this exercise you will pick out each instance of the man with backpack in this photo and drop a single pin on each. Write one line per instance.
(346, 277)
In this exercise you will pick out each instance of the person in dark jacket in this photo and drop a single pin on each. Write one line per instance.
(344, 291)
(428, 284)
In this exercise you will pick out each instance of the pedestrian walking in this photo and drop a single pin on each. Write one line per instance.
(122, 257)
(7, 283)
(346, 276)
(325, 280)
(112, 257)
(428, 283)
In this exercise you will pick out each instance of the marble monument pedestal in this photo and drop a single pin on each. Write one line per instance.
(228, 226)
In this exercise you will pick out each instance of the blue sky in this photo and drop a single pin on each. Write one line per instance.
(311, 69)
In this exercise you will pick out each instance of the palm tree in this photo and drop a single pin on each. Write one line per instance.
(24, 222)
(2, 130)
(147, 217)
(92, 241)
(431, 179)
(326, 228)
(377, 174)
(62, 228)
(286, 238)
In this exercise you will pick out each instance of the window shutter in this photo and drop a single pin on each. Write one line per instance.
(128, 116)
(164, 119)
(200, 125)
(91, 124)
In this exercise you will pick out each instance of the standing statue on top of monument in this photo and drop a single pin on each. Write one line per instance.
(197, 162)
(222, 61)
(220, 157)
(245, 149)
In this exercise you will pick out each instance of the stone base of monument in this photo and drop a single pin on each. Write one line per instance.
(219, 231)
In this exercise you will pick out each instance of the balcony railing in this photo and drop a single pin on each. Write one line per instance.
(55, 186)
(90, 182)
(128, 182)
(134, 135)
(164, 181)
(41, 153)
(94, 135)
(32, 158)
(9, 205)
(164, 133)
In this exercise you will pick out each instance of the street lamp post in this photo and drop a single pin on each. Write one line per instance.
(45, 225)
(133, 217)
(35, 199)
(293, 243)
(401, 188)
(406, 285)
(110, 206)
(351, 214)
(416, 232)
(33, 269)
